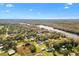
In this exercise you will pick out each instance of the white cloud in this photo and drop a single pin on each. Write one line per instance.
(9, 5)
(6, 11)
(66, 7)
(30, 10)
(69, 3)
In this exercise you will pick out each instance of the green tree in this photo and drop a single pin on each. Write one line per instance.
(33, 48)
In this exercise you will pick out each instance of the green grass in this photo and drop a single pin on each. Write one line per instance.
(20, 43)
(39, 46)
(3, 54)
(47, 53)
(58, 54)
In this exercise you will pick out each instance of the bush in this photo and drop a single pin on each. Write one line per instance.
(69, 47)
(33, 48)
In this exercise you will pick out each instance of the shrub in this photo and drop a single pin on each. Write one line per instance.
(33, 48)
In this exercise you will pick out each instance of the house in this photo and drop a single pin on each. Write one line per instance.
(63, 49)
(63, 46)
(32, 38)
(39, 42)
(46, 40)
(50, 49)
(39, 34)
(53, 49)
(1, 46)
(42, 49)
(28, 24)
(11, 52)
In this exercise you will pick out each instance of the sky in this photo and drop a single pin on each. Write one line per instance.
(39, 10)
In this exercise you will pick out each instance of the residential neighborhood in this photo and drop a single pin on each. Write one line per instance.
(24, 39)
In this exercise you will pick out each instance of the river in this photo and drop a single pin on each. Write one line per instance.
(57, 30)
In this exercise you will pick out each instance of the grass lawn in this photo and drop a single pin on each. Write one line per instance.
(58, 54)
(20, 44)
(38, 49)
(47, 53)
(3, 54)
(39, 46)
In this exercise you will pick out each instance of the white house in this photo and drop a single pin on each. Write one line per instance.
(1, 46)
(11, 51)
